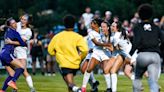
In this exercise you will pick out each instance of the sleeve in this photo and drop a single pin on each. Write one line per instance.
(83, 47)
(116, 38)
(91, 35)
(17, 35)
(28, 34)
(136, 39)
(51, 46)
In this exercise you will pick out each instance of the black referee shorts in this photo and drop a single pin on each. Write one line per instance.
(65, 71)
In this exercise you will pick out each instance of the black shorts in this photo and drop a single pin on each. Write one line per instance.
(65, 71)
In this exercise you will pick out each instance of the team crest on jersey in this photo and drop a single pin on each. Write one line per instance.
(147, 27)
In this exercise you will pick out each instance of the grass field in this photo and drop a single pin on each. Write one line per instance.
(56, 83)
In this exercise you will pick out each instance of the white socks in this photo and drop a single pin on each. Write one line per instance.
(85, 79)
(114, 82)
(132, 77)
(29, 81)
(107, 79)
(92, 77)
(75, 88)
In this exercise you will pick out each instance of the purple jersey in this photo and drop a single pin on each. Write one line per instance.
(6, 55)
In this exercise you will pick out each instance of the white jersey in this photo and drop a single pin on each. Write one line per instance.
(98, 52)
(124, 45)
(105, 39)
(87, 19)
(89, 41)
(21, 52)
(24, 33)
(115, 38)
(97, 36)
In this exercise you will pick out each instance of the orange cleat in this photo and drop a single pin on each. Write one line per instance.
(12, 84)
(2, 91)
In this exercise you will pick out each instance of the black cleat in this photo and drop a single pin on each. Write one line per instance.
(95, 86)
(108, 90)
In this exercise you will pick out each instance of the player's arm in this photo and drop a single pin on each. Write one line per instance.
(20, 40)
(51, 47)
(99, 43)
(83, 47)
(9, 41)
(91, 35)
(136, 40)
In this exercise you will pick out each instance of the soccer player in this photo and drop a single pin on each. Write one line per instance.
(69, 48)
(122, 46)
(105, 26)
(147, 37)
(92, 81)
(99, 53)
(21, 51)
(7, 58)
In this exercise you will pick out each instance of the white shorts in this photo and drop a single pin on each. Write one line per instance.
(88, 56)
(121, 52)
(100, 55)
(20, 52)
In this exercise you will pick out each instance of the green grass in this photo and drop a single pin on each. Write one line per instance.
(56, 83)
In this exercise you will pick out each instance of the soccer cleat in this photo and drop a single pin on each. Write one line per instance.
(95, 86)
(32, 90)
(14, 90)
(159, 88)
(142, 88)
(12, 84)
(83, 89)
(2, 91)
(108, 90)
(79, 90)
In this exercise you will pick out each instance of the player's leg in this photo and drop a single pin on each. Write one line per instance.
(153, 71)
(92, 63)
(11, 74)
(107, 65)
(68, 75)
(27, 75)
(116, 66)
(128, 71)
(141, 67)
(18, 71)
(92, 81)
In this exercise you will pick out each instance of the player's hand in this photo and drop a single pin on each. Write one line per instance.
(8, 41)
(110, 48)
(128, 60)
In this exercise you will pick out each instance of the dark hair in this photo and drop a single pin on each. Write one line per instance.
(121, 29)
(119, 26)
(145, 11)
(107, 23)
(8, 21)
(69, 21)
(97, 21)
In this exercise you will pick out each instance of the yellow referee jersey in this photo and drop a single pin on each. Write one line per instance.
(69, 48)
